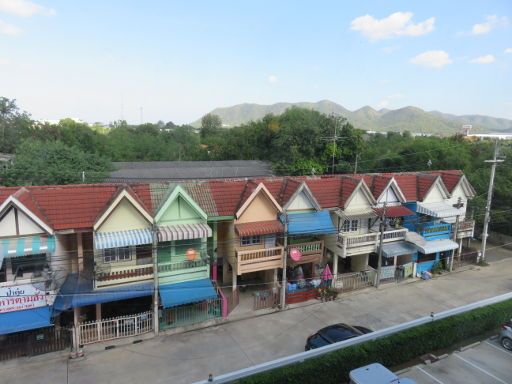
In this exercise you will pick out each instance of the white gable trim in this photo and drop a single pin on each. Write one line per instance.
(303, 188)
(439, 184)
(366, 191)
(13, 201)
(248, 202)
(123, 195)
(396, 189)
(466, 187)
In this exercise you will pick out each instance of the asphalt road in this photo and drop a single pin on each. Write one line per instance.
(486, 363)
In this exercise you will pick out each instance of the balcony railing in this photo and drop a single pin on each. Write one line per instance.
(312, 251)
(259, 259)
(432, 229)
(120, 275)
(180, 265)
(367, 242)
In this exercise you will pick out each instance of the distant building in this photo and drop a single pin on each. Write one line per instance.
(148, 171)
(5, 160)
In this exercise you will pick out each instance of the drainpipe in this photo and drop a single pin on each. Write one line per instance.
(155, 280)
(285, 243)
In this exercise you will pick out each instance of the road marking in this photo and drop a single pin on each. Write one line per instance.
(479, 368)
(429, 375)
(498, 348)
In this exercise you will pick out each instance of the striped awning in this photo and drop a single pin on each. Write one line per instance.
(28, 245)
(132, 237)
(356, 213)
(259, 228)
(183, 232)
(438, 210)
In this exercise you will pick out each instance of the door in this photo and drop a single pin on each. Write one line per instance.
(270, 241)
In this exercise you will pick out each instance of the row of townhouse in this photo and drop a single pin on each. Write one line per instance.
(117, 260)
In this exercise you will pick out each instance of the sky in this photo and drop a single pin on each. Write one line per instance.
(105, 60)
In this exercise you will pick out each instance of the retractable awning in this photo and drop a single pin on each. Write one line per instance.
(355, 213)
(78, 292)
(256, 228)
(27, 245)
(438, 210)
(183, 232)
(398, 249)
(310, 223)
(433, 246)
(187, 292)
(18, 321)
(132, 237)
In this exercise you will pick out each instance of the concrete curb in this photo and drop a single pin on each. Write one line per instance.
(461, 349)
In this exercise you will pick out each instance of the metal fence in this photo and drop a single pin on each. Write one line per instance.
(233, 298)
(268, 298)
(191, 314)
(355, 280)
(34, 342)
(300, 357)
(115, 328)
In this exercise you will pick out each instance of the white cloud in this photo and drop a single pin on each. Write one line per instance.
(485, 59)
(432, 59)
(4, 61)
(388, 100)
(272, 79)
(508, 50)
(390, 49)
(24, 8)
(491, 22)
(9, 29)
(396, 24)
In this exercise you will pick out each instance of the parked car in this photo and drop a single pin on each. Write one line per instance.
(376, 374)
(334, 333)
(506, 335)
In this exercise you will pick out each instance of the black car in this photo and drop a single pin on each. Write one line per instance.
(333, 334)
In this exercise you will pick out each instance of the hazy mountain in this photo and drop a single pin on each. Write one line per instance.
(408, 118)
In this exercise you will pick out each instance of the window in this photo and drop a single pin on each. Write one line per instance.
(354, 226)
(429, 257)
(250, 240)
(346, 226)
(28, 264)
(111, 255)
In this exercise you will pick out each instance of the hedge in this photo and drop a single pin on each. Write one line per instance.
(391, 350)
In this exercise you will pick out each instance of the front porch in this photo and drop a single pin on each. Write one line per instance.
(358, 244)
(112, 276)
(258, 260)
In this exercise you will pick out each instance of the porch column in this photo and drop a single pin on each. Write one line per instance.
(459, 251)
(234, 279)
(76, 332)
(275, 277)
(394, 261)
(225, 270)
(98, 312)
(214, 250)
(335, 265)
(154, 256)
(80, 252)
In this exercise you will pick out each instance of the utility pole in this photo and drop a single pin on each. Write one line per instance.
(455, 230)
(381, 241)
(154, 254)
(487, 218)
(285, 243)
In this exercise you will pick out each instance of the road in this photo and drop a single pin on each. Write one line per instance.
(191, 356)
(487, 362)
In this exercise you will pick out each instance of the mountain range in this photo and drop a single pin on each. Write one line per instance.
(409, 118)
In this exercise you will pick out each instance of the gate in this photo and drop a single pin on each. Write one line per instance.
(115, 328)
(34, 342)
(355, 280)
(268, 298)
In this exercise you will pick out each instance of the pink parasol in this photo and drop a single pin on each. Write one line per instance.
(326, 273)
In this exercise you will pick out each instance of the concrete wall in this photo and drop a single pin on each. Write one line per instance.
(358, 262)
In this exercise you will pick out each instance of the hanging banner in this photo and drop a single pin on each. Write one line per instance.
(20, 297)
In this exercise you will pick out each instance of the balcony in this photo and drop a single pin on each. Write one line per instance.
(367, 242)
(433, 229)
(259, 260)
(122, 275)
(312, 252)
(466, 229)
(183, 270)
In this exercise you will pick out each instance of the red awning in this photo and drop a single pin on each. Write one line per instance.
(259, 228)
(395, 211)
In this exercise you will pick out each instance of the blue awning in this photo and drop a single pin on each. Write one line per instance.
(26, 245)
(310, 223)
(78, 292)
(118, 239)
(187, 292)
(397, 249)
(25, 320)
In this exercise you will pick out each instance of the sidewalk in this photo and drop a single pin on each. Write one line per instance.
(190, 356)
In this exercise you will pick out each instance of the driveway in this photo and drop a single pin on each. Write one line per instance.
(191, 356)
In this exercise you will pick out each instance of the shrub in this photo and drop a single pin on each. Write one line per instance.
(391, 350)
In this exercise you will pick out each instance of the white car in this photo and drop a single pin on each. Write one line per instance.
(506, 335)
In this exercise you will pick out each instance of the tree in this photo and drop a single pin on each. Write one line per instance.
(42, 163)
(210, 125)
(14, 125)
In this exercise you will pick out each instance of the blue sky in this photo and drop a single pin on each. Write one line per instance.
(103, 60)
